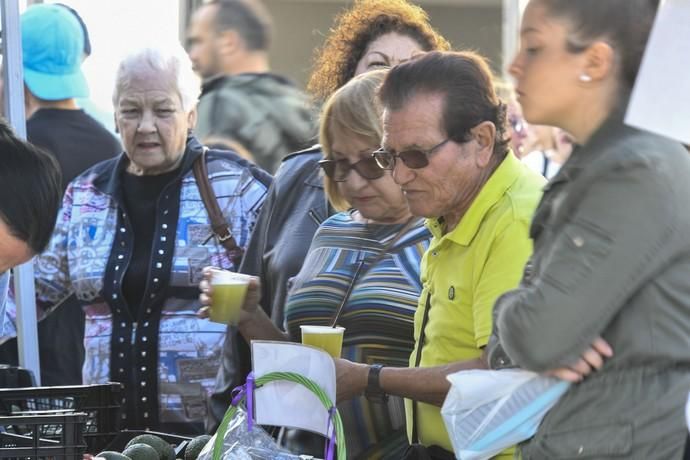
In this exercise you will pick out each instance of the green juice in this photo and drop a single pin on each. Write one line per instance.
(227, 302)
(329, 339)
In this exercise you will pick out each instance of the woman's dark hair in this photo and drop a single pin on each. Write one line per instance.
(467, 85)
(354, 29)
(30, 184)
(624, 24)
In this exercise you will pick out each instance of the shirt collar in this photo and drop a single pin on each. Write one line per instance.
(492, 191)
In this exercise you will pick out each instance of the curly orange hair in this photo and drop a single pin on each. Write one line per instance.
(354, 29)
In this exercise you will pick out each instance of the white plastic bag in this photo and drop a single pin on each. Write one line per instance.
(239, 443)
(486, 411)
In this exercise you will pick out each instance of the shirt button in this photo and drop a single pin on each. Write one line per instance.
(580, 450)
(578, 241)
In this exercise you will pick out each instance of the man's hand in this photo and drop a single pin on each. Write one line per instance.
(591, 360)
(351, 379)
(251, 299)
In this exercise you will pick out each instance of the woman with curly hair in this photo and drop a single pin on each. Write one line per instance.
(373, 33)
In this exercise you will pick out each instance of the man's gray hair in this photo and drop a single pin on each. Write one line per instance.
(172, 61)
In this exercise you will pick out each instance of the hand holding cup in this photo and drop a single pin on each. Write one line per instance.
(228, 297)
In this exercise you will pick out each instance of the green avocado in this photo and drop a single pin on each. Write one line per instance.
(141, 451)
(111, 455)
(165, 450)
(195, 446)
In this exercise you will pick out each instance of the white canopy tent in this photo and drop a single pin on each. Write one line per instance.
(14, 111)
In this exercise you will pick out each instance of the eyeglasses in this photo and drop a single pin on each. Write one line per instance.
(414, 159)
(338, 170)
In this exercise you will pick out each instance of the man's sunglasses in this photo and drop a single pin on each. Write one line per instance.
(338, 170)
(413, 159)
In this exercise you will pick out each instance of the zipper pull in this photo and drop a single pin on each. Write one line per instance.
(134, 332)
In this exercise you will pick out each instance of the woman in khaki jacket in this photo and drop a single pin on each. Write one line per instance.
(605, 300)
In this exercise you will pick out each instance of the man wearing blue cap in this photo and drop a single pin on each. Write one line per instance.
(52, 53)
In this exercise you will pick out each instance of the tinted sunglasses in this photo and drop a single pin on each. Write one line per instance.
(413, 159)
(338, 170)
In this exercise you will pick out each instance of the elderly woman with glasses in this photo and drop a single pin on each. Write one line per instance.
(372, 248)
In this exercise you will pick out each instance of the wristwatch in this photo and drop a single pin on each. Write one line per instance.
(374, 392)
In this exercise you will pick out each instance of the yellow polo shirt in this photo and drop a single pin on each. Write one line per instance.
(465, 271)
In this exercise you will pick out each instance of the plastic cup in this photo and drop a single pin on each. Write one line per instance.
(229, 290)
(329, 339)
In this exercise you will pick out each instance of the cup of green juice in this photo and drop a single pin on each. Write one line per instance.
(327, 338)
(229, 290)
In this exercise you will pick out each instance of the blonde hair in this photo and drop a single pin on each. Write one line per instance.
(354, 109)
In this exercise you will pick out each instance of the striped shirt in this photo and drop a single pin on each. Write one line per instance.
(378, 317)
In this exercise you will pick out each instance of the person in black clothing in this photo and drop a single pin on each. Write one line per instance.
(53, 43)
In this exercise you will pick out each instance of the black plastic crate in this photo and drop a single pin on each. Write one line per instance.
(32, 445)
(100, 404)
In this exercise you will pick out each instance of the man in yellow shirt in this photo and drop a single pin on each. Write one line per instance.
(445, 144)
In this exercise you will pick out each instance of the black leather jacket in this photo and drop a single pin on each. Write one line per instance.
(295, 206)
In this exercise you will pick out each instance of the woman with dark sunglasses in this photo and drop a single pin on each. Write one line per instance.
(368, 35)
(352, 251)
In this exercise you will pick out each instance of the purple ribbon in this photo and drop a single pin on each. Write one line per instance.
(330, 428)
(250, 400)
(238, 393)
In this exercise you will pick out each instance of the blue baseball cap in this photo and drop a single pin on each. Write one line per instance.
(52, 52)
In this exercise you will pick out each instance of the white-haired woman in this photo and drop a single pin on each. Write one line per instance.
(132, 237)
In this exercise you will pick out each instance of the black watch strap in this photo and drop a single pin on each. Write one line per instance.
(374, 392)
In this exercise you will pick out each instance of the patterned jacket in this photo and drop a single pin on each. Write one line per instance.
(167, 358)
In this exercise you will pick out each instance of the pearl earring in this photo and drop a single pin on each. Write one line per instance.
(585, 78)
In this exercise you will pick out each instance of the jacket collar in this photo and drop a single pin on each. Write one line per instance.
(109, 180)
(583, 155)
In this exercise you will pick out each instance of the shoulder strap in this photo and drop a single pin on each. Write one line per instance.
(365, 265)
(219, 226)
(417, 360)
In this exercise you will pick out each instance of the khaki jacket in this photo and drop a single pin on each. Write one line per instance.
(611, 259)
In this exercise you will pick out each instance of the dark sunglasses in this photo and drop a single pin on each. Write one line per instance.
(338, 170)
(414, 159)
